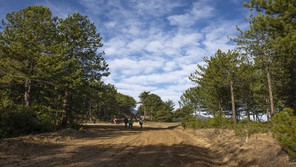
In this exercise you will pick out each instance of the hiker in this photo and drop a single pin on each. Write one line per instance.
(114, 120)
(125, 122)
(130, 123)
(141, 122)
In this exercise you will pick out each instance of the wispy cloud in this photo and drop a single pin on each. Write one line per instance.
(200, 10)
(61, 9)
(155, 45)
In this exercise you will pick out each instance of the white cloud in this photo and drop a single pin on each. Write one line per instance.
(111, 24)
(171, 59)
(155, 7)
(128, 66)
(170, 66)
(190, 39)
(133, 90)
(200, 10)
(137, 45)
(115, 46)
(189, 68)
(237, 2)
(156, 78)
(155, 45)
(216, 36)
(60, 9)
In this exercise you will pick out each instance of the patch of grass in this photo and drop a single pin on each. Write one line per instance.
(282, 126)
(217, 122)
(248, 128)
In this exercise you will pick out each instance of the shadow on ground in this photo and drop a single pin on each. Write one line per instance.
(95, 146)
(177, 155)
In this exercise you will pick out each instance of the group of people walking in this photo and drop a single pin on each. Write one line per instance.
(131, 121)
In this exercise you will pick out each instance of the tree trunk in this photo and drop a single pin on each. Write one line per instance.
(220, 106)
(270, 92)
(257, 117)
(65, 115)
(254, 117)
(248, 114)
(27, 92)
(233, 103)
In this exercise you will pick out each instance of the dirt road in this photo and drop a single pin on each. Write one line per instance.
(114, 145)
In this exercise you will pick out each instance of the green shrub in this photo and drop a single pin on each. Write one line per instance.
(186, 120)
(3, 124)
(217, 122)
(190, 122)
(220, 122)
(24, 121)
(20, 123)
(164, 116)
(246, 128)
(198, 124)
(44, 123)
(284, 130)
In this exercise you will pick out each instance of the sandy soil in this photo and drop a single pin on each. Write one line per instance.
(157, 144)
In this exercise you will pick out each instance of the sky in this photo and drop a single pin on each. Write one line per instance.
(153, 45)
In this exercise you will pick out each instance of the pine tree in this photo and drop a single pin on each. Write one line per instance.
(273, 28)
(218, 80)
(83, 66)
(27, 51)
(143, 97)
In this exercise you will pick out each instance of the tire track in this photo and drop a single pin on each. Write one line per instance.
(157, 145)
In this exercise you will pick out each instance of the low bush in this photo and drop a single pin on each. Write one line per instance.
(243, 128)
(23, 121)
(220, 122)
(282, 126)
(284, 130)
(217, 122)
(248, 128)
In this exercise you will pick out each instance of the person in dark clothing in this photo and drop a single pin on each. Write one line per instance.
(141, 122)
(125, 122)
(130, 123)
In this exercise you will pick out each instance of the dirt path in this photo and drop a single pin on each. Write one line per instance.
(113, 145)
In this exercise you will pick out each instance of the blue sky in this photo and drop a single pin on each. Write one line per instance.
(153, 45)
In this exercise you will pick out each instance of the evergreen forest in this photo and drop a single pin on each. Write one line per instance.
(52, 70)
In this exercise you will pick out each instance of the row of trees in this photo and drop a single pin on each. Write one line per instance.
(258, 76)
(153, 108)
(52, 68)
